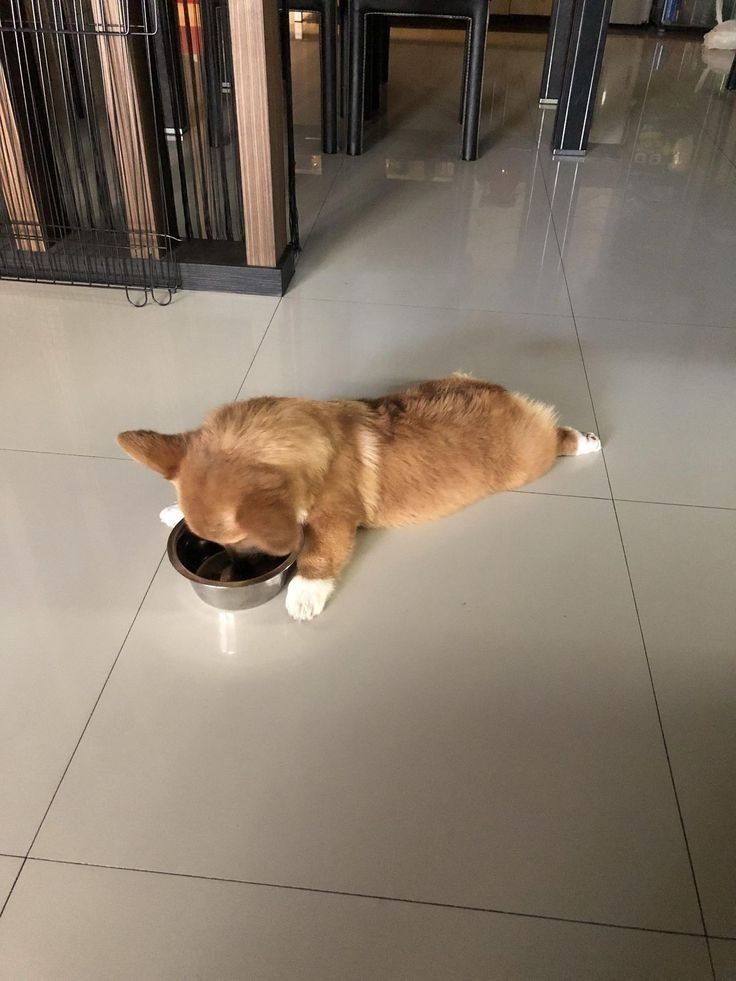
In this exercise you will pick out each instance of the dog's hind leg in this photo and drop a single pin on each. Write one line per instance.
(571, 442)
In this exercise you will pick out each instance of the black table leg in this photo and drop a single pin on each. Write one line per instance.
(582, 71)
(328, 74)
(555, 56)
(356, 87)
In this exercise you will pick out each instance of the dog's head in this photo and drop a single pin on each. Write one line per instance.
(224, 496)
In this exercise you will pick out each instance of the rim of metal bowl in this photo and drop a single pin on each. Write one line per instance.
(176, 533)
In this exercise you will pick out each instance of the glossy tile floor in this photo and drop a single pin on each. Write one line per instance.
(507, 750)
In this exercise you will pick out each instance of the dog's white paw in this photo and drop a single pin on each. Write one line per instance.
(306, 598)
(588, 443)
(171, 516)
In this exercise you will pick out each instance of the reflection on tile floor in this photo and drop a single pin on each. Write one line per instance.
(506, 750)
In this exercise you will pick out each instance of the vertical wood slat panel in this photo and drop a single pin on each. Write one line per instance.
(189, 16)
(15, 184)
(257, 84)
(127, 98)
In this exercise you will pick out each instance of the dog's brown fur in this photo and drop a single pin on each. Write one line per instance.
(258, 470)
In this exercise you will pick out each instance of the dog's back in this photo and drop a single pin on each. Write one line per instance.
(446, 443)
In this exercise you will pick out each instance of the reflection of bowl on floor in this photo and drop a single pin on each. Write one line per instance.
(223, 581)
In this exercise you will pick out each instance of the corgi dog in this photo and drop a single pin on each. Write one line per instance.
(262, 473)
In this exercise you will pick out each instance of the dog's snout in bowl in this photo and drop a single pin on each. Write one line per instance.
(232, 578)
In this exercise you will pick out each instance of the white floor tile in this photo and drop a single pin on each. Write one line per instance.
(79, 365)
(684, 574)
(323, 349)
(80, 545)
(85, 923)
(642, 255)
(724, 959)
(664, 399)
(406, 227)
(469, 722)
(645, 218)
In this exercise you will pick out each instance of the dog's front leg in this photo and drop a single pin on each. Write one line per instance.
(326, 550)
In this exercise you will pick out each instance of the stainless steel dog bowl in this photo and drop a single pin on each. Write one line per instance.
(210, 570)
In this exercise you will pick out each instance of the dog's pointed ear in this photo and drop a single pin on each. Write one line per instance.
(158, 451)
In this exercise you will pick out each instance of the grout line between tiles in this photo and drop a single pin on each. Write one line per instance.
(13, 885)
(433, 306)
(581, 497)
(338, 172)
(638, 618)
(624, 500)
(81, 456)
(363, 895)
(656, 323)
(84, 730)
(255, 353)
(664, 738)
(675, 504)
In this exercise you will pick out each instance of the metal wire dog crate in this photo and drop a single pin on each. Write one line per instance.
(119, 145)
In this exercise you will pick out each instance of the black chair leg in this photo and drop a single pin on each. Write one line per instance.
(328, 71)
(344, 56)
(372, 67)
(385, 46)
(474, 86)
(356, 90)
(464, 81)
(378, 61)
(374, 63)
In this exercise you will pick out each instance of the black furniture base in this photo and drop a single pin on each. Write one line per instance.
(219, 266)
(194, 265)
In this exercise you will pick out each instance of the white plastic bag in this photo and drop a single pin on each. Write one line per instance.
(723, 35)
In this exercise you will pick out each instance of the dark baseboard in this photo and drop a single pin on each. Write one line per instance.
(196, 264)
(219, 266)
